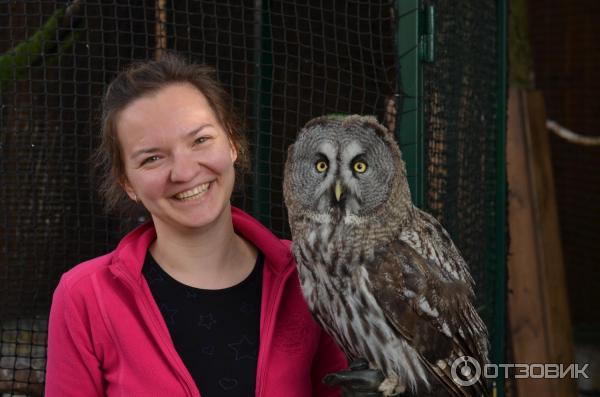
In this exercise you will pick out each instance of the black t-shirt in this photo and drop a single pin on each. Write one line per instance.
(215, 332)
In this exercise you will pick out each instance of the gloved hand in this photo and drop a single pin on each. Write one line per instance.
(357, 381)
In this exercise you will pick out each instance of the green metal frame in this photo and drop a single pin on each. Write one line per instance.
(409, 107)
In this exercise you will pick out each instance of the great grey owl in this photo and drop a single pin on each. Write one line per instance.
(382, 277)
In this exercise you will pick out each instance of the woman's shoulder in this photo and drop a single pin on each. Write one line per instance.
(132, 247)
(85, 270)
(287, 243)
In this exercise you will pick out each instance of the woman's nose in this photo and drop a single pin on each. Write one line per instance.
(184, 167)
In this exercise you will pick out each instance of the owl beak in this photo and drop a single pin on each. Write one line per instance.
(338, 191)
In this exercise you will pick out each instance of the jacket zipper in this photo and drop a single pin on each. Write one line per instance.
(139, 295)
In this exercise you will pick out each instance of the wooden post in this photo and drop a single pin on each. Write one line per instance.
(538, 305)
(161, 28)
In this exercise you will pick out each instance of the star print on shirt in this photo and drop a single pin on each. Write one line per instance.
(244, 349)
(208, 350)
(228, 383)
(168, 313)
(207, 321)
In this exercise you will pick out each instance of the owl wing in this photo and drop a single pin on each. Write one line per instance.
(433, 242)
(431, 312)
(430, 239)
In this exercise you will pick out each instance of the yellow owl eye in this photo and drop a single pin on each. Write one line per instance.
(321, 166)
(360, 167)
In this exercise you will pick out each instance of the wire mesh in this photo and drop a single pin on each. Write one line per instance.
(460, 111)
(284, 62)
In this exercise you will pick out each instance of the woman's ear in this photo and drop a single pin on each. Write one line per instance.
(234, 152)
(128, 189)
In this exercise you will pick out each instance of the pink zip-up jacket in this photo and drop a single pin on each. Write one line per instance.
(107, 336)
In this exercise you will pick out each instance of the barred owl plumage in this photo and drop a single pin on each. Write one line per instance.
(379, 275)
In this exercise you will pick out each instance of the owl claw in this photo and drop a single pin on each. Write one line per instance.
(359, 364)
(392, 387)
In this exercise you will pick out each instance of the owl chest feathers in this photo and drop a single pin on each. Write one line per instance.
(336, 285)
(342, 242)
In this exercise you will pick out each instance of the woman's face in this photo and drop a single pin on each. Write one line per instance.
(178, 158)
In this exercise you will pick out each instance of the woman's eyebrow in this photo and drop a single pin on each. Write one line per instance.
(143, 151)
(187, 135)
(197, 129)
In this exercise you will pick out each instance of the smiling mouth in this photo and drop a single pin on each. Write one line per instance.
(193, 193)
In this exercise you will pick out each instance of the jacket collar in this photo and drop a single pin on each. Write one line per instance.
(131, 251)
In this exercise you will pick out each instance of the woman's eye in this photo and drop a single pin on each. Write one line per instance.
(150, 159)
(321, 166)
(360, 167)
(200, 140)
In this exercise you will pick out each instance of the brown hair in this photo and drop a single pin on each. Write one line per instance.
(145, 78)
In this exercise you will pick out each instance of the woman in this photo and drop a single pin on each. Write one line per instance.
(202, 298)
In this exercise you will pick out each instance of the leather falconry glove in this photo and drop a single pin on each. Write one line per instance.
(357, 381)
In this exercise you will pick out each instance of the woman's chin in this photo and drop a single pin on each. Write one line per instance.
(202, 216)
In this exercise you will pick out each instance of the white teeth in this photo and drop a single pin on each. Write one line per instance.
(193, 193)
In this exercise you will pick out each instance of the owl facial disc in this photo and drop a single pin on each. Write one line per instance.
(340, 168)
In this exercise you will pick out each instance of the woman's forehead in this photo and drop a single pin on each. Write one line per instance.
(168, 99)
(173, 110)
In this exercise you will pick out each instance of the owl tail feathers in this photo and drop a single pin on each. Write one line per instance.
(357, 381)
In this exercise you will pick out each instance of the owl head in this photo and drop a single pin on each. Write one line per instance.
(347, 165)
